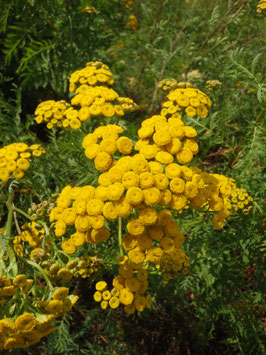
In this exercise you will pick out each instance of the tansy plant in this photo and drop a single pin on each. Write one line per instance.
(142, 189)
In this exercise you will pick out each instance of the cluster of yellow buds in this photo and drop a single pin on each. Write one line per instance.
(213, 84)
(261, 7)
(84, 266)
(41, 209)
(133, 23)
(32, 234)
(14, 158)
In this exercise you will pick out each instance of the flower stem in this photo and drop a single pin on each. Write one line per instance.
(120, 236)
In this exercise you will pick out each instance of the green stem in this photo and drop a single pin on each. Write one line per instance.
(23, 213)
(40, 269)
(191, 223)
(120, 236)
(264, 22)
(8, 228)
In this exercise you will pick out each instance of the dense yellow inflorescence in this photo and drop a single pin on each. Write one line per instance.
(148, 183)
(15, 159)
(92, 98)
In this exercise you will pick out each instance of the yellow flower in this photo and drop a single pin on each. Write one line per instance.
(155, 167)
(60, 228)
(148, 216)
(151, 196)
(145, 132)
(130, 179)
(134, 226)
(185, 156)
(149, 151)
(140, 303)
(18, 173)
(177, 185)
(115, 191)
(155, 232)
(84, 114)
(178, 201)
(126, 297)
(78, 238)
(162, 137)
(146, 180)
(100, 235)
(134, 195)
(124, 145)
(60, 293)
(144, 242)
(69, 215)
(154, 254)
(97, 296)
(114, 302)
(136, 256)
(190, 132)
(109, 211)
(20, 280)
(126, 270)
(103, 161)
(190, 111)
(142, 275)
(129, 241)
(130, 309)
(164, 158)
(191, 189)
(101, 286)
(106, 295)
(23, 164)
(108, 145)
(25, 323)
(174, 146)
(108, 110)
(123, 207)
(132, 284)
(82, 224)
(119, 282)
(167, 244)
(95, 207)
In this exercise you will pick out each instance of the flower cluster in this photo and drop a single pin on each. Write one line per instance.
(191, 101)
(162, 139)
(133, 23)
(128, 288)
(14, 158)
(32, 235)
(83, 266)
(172, 84)
(213, 84)
(103, 143)
(92, 97)
(52, 113)
(261, 7)
(36, 316)
(41, 209)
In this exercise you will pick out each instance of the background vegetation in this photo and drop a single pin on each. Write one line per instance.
(219, 307)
